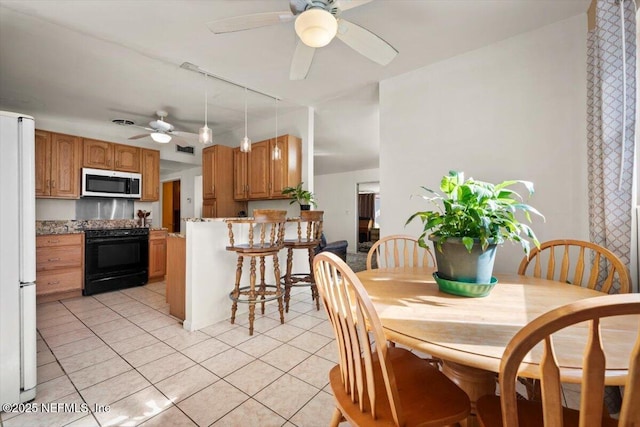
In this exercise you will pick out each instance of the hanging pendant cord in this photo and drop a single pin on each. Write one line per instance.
(245, 112)
(206, 98)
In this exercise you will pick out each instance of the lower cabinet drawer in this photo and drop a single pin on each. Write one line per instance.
(58, 281)
(58, 257)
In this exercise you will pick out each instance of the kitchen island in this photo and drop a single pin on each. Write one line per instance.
(210, 270)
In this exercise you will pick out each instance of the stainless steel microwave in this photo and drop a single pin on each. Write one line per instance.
(105, 183)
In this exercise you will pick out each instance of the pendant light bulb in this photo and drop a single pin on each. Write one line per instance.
(205, 136)
(277, 152)
(245, 143)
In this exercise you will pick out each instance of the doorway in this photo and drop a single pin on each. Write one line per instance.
(171, 206)
(368, 214)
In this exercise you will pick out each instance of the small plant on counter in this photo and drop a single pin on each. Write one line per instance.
(298, 194)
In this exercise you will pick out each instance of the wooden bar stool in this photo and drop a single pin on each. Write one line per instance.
(265, 238)
(309, 229)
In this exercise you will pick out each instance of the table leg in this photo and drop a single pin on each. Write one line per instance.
(475, 382)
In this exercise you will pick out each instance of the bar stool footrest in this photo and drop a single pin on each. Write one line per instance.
(298, 279)
(243, 296)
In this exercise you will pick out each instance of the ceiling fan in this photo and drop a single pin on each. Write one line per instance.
(317, 22)
(159, 130)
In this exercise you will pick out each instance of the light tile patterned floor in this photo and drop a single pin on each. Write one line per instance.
(122, 349)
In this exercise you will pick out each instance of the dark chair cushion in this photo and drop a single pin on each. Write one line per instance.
(338, 247)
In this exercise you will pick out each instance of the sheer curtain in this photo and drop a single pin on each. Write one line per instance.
(611, 107)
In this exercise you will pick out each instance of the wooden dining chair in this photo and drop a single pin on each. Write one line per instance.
(399, 251)
(376, 385)
(506, 410)
(553, 260)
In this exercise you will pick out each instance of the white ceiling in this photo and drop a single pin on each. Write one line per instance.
(98, 60)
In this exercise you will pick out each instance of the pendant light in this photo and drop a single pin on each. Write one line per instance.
(245, 143)
(277, 152)
(204, 135)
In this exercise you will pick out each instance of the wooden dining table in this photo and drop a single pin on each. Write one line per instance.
(471, 334)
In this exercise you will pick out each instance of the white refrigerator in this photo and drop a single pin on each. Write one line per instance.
(17, 258)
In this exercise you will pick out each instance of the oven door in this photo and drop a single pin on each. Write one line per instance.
(115, 262)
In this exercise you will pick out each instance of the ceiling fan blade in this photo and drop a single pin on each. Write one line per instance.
(365, 42)
(350, 4)
(181, 133)
(301, 61)
(247, 22)
(139, 136)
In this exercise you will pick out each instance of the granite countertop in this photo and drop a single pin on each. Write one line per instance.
(78, 226)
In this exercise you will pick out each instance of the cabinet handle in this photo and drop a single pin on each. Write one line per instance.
(53, 259)
(53, 283)
(109, 162)
(48, 183)
(53, 183)
(53, 241)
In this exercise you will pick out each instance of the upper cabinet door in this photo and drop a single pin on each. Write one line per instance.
(285, 169)
(240, 166)
(209, 172)
(43, 163)
(150, 169)
(127, 158)
(97, 154)
(259, 170)
(65, 166)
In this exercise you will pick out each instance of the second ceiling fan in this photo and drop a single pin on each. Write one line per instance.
(317, 22)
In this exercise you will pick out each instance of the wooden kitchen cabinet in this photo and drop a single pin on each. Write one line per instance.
(57, 161)
(97, 154)
(150, 170)
(259, 170)
(59, 265)
(126, 158)
(209, 208)
(240, 168)
(176, 273)
(209, 156)
(110, 156)
(217, 183)
(157, 254)
(258, 176)
(286, 171)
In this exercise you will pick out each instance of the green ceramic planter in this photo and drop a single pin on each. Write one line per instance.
(455, 262)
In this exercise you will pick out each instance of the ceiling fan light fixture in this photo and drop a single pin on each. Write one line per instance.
(316, 27)
(161, 138)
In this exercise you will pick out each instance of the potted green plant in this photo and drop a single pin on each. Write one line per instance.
(305, 198)
(471, 219)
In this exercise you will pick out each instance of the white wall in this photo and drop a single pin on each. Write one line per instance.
(512, 110)
(337, 197)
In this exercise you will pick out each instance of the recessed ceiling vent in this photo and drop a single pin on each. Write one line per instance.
(189, 149)
(122, 122)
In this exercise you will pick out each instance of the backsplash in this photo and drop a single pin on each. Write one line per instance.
(76, 226)
(101, 208)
